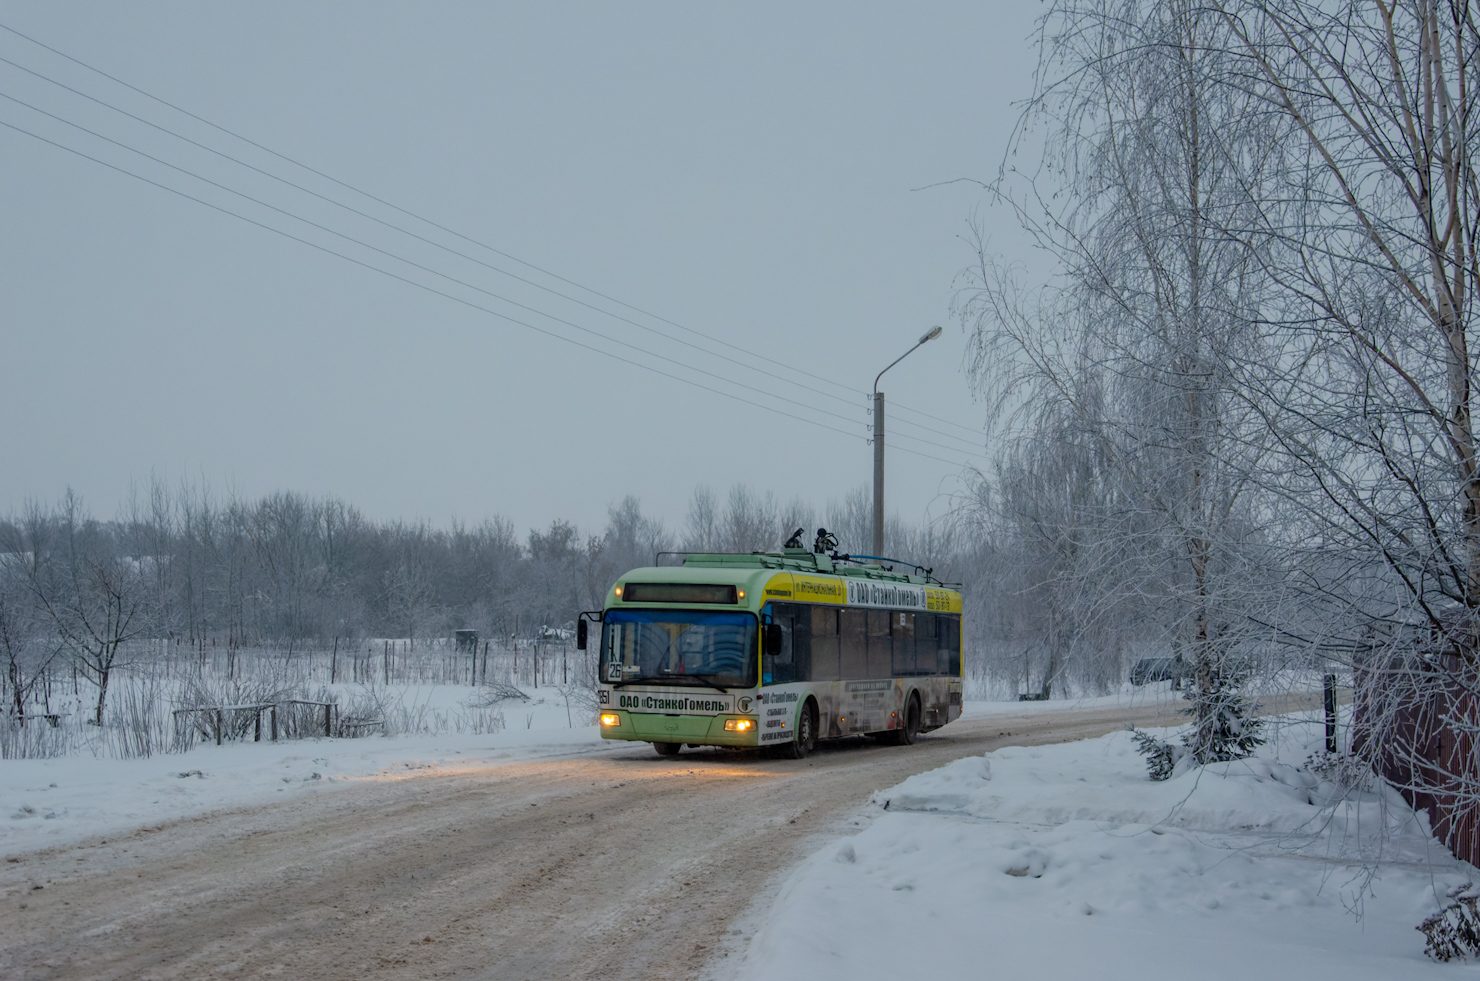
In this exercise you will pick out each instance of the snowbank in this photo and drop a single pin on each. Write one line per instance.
(50, 802)
(46, 803)
(1068, 862)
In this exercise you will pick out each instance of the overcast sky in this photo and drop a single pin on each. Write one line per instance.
(746, 171)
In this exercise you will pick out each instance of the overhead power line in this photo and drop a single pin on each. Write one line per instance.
(366, 215)
(417, 265)
(897, 407)
(421, 238)
(442, 293)
(438, 273)
(427, 269)
(423, 286)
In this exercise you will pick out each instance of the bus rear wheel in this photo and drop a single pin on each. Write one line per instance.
(905, 735)
(667, 749)
(806, 739)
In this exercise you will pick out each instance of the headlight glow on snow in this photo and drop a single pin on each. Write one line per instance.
(610, 719)
(739, 725)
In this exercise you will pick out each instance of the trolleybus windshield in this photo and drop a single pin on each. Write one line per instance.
(679, 647)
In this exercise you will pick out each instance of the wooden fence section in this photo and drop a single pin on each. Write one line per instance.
(214, 717)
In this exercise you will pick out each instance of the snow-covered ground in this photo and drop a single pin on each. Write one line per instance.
(1049, 862)
(45, 803)
(50, 802)
(1067, 862)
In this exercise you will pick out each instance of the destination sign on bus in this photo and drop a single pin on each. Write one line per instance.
(867, 592)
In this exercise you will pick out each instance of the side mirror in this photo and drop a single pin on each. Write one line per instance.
(773, 639)
(581, 634)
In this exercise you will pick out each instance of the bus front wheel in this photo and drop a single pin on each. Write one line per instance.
(667, 749)
(806, 738)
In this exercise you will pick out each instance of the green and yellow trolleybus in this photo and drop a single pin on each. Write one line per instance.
(775, 649)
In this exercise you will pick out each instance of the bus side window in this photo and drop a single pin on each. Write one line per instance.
(781, 668)
(801, 640)
(927, 640)
(824, 643)
(880, 645)
(906, 635)
(950, 645)
(853, 644)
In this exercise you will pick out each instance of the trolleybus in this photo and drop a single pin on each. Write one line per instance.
(775, 649)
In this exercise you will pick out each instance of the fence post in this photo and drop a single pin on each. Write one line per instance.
(218, 727)
(328, 707)
(257, 728)
(1330, 686)
(274, 723)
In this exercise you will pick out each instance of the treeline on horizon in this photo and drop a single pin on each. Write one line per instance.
(288, 568)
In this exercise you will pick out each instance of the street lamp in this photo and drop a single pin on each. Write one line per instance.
(929, 335)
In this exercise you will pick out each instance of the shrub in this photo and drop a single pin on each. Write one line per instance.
(1223, 727)
(1454, 931)
(1161, 757)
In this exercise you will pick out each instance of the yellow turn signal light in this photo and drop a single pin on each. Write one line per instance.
(739, 725)
(610, 719)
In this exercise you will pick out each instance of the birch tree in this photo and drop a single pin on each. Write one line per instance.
(1375, 271)
(1149, 158)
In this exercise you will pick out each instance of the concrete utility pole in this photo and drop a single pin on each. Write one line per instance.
(929, 335)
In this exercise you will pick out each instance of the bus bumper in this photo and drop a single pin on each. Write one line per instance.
(702, 730)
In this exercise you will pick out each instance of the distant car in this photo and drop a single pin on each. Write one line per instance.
(1149, 669)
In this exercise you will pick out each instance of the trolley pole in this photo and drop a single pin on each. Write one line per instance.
(929, 335)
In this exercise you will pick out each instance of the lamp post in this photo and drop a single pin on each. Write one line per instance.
(929, 335)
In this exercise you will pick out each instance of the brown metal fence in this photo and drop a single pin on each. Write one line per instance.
(1416, 719)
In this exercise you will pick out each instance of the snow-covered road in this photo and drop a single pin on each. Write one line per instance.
(610, 865)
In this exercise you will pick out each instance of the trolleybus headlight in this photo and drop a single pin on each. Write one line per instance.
(739, 725)
(610, 719)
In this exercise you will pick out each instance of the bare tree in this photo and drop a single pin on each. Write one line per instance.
(1370, 252)
(94, 595)
(701, 530)
(1131, 358)
(26, 648)
(1375, 272)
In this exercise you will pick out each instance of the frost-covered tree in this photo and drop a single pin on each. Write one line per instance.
(1131, 449)
(1371, 257)
(94, 595)
(27, 647)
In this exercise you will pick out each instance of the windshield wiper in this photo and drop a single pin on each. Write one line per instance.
(661, 680)
(700, 678)
(669, 680)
